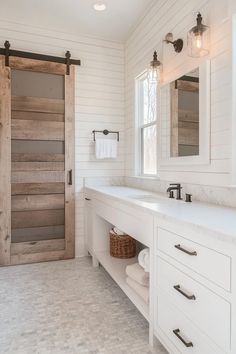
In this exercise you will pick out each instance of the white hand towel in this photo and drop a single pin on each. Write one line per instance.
(140, 290)
(106, 148)
(144, 259)
(137, 273)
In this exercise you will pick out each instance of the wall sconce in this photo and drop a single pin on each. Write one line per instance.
(154, 71)
(198, 39)
(177, 44)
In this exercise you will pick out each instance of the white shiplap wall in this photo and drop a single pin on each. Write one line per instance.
(99, 98)
(178, 17)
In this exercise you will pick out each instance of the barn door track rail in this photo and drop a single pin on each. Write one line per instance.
(7, 52)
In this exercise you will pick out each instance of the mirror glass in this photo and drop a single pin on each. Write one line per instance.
(184, 115)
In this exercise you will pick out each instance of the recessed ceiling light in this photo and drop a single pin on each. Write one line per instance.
(99, 6)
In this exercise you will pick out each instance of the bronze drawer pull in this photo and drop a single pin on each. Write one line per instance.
(189, 297)
(176, 332)
(87, 199)
(194, 253)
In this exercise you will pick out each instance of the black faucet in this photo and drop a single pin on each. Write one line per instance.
(175, 187)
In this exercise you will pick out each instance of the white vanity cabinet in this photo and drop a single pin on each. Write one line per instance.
(192, 305)
(194, 295)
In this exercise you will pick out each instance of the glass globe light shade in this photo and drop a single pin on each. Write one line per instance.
(154, 71)
(199, 39)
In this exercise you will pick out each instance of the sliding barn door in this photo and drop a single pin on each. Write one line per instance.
(42, 162)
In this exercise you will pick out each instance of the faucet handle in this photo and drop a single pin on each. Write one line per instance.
(188, 198)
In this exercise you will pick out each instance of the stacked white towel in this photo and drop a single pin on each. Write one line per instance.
(144, 259)
(138, 280)
(142, 291)
(106, 148)
(136, 272)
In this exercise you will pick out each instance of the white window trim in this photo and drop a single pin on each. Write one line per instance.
(138, 131)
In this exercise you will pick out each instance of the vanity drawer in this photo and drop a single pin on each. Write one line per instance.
(208, 263)
(208, 311)
(181, 331)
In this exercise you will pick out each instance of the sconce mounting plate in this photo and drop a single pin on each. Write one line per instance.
(177, 44)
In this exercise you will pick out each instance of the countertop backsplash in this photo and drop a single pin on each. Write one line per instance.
(104, 181)
(225, 196)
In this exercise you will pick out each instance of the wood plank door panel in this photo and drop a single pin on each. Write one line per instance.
(37, 188)
(37, 218)
(37, 130)
(38, 177)
(37, 233)
(39, 224)
(37, 104)
(39, 116)
(37, 202)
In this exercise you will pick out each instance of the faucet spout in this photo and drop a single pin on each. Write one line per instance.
(173, 187)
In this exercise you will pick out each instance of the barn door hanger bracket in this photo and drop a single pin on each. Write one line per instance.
(68, 56)
(7, 52)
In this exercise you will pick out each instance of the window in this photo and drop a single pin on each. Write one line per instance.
(146, 96)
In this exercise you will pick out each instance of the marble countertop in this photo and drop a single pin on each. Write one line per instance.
(221, 220)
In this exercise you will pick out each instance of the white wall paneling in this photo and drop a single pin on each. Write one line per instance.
(178, 17)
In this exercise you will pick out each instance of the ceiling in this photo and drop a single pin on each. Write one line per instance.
(78, 16)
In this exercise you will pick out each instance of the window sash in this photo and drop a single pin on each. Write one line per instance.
(141, 127)
(141, 150)
(142, 116)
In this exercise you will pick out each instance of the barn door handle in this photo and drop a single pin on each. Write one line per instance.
(70, 182)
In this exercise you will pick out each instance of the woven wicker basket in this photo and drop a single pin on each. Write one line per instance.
(122, 246)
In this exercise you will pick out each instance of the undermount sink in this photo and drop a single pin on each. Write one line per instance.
(147, 198)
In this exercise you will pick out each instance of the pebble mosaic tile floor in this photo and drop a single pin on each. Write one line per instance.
(67, 307)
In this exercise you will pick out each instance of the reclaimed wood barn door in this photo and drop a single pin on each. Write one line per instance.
(37, 203)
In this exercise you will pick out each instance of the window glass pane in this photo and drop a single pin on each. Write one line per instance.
(149, 101)
(149, 148)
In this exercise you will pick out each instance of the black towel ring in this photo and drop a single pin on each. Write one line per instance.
(105, 132)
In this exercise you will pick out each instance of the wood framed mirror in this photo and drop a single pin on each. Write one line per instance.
(184, 111)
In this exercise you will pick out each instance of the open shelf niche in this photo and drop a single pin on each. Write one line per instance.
(114, 266)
